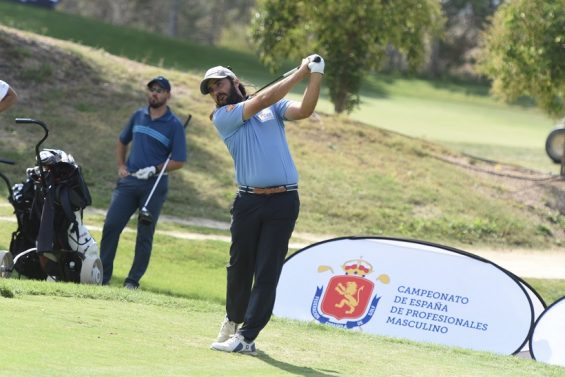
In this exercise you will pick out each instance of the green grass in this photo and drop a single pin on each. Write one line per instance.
(141, 334)
(61, 329)
(164, 329)
(460, 116)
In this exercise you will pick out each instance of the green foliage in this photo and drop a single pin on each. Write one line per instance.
(550, 290)
(523, 53)
(352, 36)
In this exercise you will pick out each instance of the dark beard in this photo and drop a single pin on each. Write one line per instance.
(156, 104)
(233, 97)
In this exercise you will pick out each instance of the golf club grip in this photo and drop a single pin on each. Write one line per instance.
(187, 121)
(24, 120)
(39, 123)
(290, 72)
(317, 59)
(34, 121)
(9, 162)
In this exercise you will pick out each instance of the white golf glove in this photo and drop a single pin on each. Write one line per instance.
(316, 66)
(145, 173)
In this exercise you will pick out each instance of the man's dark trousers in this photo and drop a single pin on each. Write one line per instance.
(261, 229)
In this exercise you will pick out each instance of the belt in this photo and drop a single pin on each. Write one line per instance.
(268, 190)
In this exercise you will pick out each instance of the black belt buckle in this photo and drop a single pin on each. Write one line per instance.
(268, 190)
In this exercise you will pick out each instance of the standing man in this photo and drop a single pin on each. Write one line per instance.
(8, 96)
(267, 204)
(155, 133)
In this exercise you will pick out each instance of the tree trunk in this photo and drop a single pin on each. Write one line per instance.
(173, 18)
(217, 20)
(434, 63)
(339, 103)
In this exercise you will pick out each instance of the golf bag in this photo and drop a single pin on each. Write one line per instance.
(51, 241)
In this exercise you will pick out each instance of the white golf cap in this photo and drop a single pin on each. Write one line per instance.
(218, 72)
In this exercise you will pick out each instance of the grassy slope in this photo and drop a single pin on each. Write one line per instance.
(85, 95)
(462, 116)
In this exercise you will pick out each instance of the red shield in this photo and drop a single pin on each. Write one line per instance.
(347, 296)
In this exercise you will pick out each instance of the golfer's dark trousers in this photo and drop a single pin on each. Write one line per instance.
(128, 197)
(261, 228)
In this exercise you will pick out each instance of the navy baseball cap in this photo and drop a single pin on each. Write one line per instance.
(162, 82)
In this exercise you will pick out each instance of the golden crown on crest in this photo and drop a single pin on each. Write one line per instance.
(358, 267)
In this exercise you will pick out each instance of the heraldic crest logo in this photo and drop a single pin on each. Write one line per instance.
(346, 298)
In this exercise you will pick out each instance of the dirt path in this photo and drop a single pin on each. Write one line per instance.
(525, 263)
(542, 264)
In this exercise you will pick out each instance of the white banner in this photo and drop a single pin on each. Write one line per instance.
(407, 289)
(547, 343)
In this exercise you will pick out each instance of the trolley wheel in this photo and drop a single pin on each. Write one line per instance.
(6, 264)
(555, 144)
(91, 271)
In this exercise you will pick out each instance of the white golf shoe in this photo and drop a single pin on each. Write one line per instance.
(227, 330)
(236, 343)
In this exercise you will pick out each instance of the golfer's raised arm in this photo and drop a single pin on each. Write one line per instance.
(305, 108)
(278, 91)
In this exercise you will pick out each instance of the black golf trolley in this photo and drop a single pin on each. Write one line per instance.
(51, 242)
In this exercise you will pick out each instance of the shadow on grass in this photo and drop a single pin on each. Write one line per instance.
(294, 369)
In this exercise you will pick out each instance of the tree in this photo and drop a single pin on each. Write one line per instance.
(524, 53)
(201, 21)
(352, 36)
(455, 53)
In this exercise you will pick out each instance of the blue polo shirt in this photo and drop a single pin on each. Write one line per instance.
(153, 140)
(258, 145)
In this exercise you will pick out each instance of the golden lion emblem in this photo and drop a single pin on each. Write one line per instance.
(348, 292)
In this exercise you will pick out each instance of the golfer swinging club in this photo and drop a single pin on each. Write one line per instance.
(267, 204)
(155, 133)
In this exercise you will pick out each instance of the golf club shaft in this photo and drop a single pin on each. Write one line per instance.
(163, 168)
(157, 181)
(316, 59)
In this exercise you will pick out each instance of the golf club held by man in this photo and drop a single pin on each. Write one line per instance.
(156, 136)
(267, 204)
